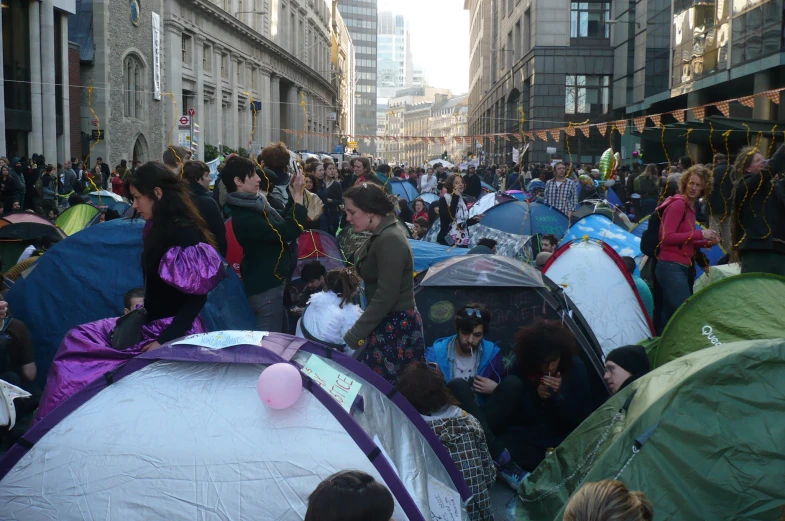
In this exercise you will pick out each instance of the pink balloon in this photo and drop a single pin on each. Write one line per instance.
(279, 386)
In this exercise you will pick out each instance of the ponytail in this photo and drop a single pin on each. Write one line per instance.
(344, 282)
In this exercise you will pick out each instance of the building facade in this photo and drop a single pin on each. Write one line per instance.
(448, 119)
(394, 55)
(673, 55)
(343, 61)
(360, 17)
(247, 73)
(35, 99)
(396, 121)
(567, 44)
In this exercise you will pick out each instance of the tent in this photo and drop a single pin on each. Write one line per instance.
(601, 228)
(744, 307)
(77, 218)
(84, 278)
(517, 194)
(120, 206)
(595, 278)
(426, 254)
(402, 189)
(105, 198)
(444, 162)
(716, 274)
(27, 217)
(515, 292)
(700, 436)
(486, 188)
(428, 198)
(180, 433)
(590, 207)
(23, 231)
(321, 246)
(488, 201)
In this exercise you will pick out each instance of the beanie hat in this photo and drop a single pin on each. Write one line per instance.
(632, 359)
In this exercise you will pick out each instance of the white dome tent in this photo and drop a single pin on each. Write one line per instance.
(180, 433)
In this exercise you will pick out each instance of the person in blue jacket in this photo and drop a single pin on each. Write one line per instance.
(475, 374)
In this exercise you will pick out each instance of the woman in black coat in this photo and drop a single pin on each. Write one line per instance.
(331, 194)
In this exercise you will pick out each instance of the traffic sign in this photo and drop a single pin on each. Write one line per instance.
(191, 112)
(185, 120)
(352, 144)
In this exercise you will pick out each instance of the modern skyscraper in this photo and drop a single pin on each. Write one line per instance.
(360, 18)
(394, 55)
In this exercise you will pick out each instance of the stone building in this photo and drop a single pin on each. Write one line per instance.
(35, 114)
(224, 61)
(448, 120)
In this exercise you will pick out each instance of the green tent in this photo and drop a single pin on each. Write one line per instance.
(702, 436)
(716, 274)
(744, 307)
(77, 218)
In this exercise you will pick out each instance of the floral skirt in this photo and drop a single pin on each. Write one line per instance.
(397, 341)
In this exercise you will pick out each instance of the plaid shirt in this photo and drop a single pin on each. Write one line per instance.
(464, 438)
(564, 197)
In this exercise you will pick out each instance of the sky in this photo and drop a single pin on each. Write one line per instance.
(440, 39)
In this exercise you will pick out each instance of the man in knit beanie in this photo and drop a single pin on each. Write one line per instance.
(624, 365)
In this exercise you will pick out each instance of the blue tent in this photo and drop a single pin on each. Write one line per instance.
(599, 227)
(428, 198)
(426, 254)
(520, 218)
(486, 187)
(402, 189)
(84, 278)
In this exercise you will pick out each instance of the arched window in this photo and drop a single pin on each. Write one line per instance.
(133, 82)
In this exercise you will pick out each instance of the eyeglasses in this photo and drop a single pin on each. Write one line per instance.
(472, 312)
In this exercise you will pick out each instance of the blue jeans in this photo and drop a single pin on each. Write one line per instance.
(673, 278)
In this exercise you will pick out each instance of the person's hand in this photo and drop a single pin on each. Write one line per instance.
(3, 309)
(710, 235)
(543, 392)
(151, 346)
(484, 385)
(553, 383)
(298, 186)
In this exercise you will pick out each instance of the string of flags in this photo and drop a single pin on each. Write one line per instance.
(639, 123)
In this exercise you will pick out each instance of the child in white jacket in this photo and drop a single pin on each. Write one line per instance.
(330, 313)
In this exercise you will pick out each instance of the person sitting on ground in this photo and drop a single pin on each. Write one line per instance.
(420, 210)
(46, 243)
(542, 259)
(474, 370)
(420, 228)
(17, 359)
(553, 396)
(330, 314)
(624, 365)
(549, 243)
(133, 299)
(405, 213)
(312, 274)
(608, 500)
(350, 495)
(424, 387)
(643, 289)
(484, 246)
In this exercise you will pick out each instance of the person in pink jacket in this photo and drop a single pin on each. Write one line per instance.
(679, 239)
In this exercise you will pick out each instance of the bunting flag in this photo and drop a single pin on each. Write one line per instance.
(555, 133)
(542, 135)
(621, 126)
(679, 115)
(491, 138)
(655, 118)
(602, 127)
(747, 101)
(640, 123)
(443, 140)
(506, 137)
(570, 131)
(585, 129)
(773, 95)
(699, 112)
(467, 141)
(724, 107)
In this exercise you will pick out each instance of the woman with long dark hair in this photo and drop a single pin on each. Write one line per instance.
(331, 194)
(454, 215)
(180, 266)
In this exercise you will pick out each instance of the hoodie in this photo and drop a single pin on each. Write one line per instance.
(490, 363)
(678, 236)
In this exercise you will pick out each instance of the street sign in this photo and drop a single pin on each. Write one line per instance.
(352, 144)
(332, 116)
(185, 120)
(338, 149)
(191, 112)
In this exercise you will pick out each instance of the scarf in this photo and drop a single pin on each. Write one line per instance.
(256, 202)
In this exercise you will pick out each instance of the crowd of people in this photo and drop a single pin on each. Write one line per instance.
(497, 419)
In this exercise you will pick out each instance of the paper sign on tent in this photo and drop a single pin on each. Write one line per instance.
(341, 387)
(445, 503)
(222, 339)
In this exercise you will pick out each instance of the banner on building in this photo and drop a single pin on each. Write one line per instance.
(156, 57)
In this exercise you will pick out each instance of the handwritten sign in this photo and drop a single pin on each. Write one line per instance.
(444, 502)
(342, 388)
(222, 339)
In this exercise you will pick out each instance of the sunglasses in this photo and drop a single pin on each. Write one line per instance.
(472, 312)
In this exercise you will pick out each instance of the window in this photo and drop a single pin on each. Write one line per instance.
(186, 49)
(587, 19)
(207, 59)
(527, 27)
(587, 94)
(134, 80)
(239, 73)
(254, 80)
(225, 66)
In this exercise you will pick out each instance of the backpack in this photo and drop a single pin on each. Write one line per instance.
(650, 240)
